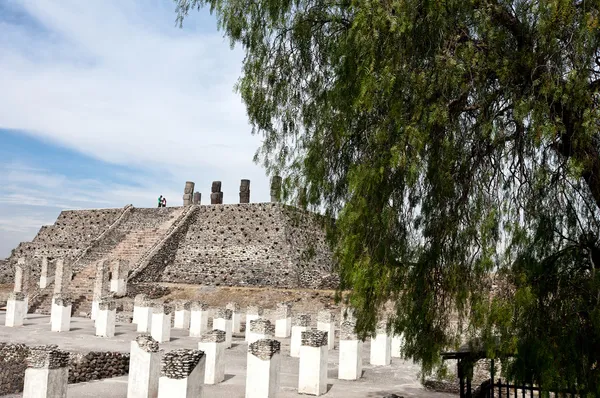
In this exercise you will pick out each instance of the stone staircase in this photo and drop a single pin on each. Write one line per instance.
(137, 233)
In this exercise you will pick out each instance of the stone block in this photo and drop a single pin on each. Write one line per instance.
(213, 345)
(144, 368)
(182, 374)
(312, 374)
(263, 369)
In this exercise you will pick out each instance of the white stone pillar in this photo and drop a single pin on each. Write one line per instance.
(100, 286)
(350, 353)
(161, 323)
(60, 315)
(301, 324)
(22, 279)
(15, 310)
(19, 275)
(283, 320)
(144, 324)
(118, 282)
(47, 374)
(182, 374)
(47, 273)
(397, 342)
(144, 368)
(182, 315)
(260, 329)
(106, 319)
(312, 375)
(198, 319)
(381, 348)
(222, 321)
(235, 316)
(213, 345)
(326, 323)
(263, 369)
(140, 300)
(252, 312)
(62, 277)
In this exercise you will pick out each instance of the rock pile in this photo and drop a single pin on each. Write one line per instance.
(47, 357)
(178, 364)
(107, 305)
(199, 306)
(147, 343)
(183, 305)
(325, 316)
(254, 310)
(17, 296)
(347, 331)
(223, 313)
(263, 326)
(214, 336)
(97, 365)
(302, 320)
(314, 338)
(264, 349)
(62, 300)
(283, 310)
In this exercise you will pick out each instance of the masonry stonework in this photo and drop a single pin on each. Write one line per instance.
(246, 244)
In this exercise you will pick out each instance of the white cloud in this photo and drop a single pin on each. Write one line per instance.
(118, 81)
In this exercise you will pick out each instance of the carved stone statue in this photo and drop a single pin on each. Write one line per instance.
(245, 191)
(197, 198)
(188, 193)
(216, 196)
(275, 189)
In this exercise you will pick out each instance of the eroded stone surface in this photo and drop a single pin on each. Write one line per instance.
(265, 348)
(179, 364)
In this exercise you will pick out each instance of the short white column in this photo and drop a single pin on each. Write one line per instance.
(213, 345)
(283, 320)
(198, 319)
(144, 368)
(252, 312)
(312, 375)
(144, 324)
(235, 317)
(140, 300)
(118, 283)
(326, 323)
(381, 349)
(182, 374)
(118, 286)
(161, 323)
(260, 329)
(350, 367)
(182, 315)
(94, 313)
(397, 342)
(301, 324)
(47, 374)
(15, 310)
(47, 273)
(106, 319)
(222, 321)
(60, 315)
(263, 369)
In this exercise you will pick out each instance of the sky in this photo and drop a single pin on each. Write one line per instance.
(105, 103)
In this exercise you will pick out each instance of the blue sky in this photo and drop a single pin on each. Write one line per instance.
(106, 102)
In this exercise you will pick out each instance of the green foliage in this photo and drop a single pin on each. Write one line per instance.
(457, 143)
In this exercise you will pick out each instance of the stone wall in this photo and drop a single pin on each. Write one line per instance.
(12, 367)
(82, 367)
(254, 244)
(258, 244)
(69, 236)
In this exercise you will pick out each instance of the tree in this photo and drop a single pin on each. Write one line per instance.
(457, 143)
